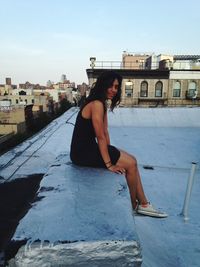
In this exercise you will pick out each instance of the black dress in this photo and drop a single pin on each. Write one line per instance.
(84, 148)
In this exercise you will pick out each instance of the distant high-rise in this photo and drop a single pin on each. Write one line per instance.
(63, 78)
(49, 83)
(8, 81)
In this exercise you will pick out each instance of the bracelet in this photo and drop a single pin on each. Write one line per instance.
(108, 162)
(109, 166)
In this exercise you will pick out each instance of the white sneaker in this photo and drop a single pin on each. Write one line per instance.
(149, 210)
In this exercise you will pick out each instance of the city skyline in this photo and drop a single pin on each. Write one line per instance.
(41, 40)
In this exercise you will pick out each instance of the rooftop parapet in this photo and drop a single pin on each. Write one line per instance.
(84, 218)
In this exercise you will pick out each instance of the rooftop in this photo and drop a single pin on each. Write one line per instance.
(165, 142)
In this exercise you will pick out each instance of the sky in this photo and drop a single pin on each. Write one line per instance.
(43, 39)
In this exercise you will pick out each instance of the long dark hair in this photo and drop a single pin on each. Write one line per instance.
(100, 87)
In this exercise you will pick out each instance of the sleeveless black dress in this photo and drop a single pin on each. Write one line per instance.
(84, 148)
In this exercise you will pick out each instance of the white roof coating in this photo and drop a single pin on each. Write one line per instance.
(169, 140)
(166, 139)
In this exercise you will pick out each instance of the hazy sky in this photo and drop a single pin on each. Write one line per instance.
(42, 39)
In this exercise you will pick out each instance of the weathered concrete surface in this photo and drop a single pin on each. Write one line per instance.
(81, 254)
(15, 201)
(84, 218)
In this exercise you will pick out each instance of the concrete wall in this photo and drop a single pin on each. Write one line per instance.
(12, 128)
(159, 117)
(14, 115)
(5, 137)
(12, 120)
(19, 99)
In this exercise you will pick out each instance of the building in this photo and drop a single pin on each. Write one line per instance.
(82, 88)
(6, 89)
(134, 60)
(185, 62)
(13, 118)
(157, 81)
(184, 87)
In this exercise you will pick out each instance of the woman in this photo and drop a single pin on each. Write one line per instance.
(90, 144)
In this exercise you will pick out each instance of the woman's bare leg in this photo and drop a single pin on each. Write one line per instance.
(140, 191)
(129, 163)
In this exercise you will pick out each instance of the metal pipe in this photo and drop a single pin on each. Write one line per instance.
(188, 192)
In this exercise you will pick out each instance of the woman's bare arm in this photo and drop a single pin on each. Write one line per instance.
(106, 128)
(97, 115)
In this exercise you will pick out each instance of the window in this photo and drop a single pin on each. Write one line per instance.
(129, 89)
(22, 92)
(144, 89)
(158, 89)
(17, 101)
(192, 89)
(177, 89)
(33, 101)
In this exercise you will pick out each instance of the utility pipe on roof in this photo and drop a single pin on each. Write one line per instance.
(188, 192)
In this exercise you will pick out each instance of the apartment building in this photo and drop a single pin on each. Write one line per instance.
(184, 88)
(13, 118)
(18, 106)
(163, 80)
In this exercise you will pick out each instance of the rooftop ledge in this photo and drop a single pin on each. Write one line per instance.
(83, 218)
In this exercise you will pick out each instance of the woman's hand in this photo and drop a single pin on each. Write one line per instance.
(117, 169)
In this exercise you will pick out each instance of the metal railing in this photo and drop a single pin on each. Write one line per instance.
(107, 65)
(145, 65)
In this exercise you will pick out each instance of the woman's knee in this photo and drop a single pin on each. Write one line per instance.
(127, 160)
(132, 159)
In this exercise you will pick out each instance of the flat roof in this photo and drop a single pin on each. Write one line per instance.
(165, 139)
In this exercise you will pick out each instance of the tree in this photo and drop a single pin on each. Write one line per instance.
(64, 105)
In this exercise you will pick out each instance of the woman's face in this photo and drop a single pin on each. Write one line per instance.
(112, 91)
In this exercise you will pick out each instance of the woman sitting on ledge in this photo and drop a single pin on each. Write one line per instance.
(90, 144)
